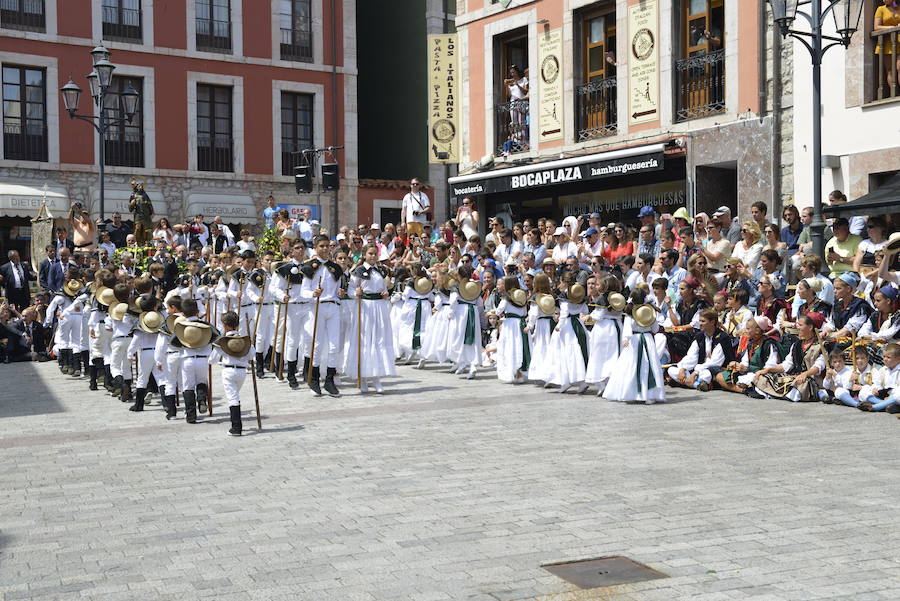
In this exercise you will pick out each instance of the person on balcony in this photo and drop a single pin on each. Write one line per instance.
(887, 16)
(517, 93)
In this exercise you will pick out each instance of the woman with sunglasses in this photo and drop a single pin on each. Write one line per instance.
(620, 244)
(467, 217)
(867, 249)
(773, 241)
(749, 248)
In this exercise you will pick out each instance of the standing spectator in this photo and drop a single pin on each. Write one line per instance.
(303, 225)
(857, 222)
(181, 235)
(649, 244)
(758, 213)
(620, 244)
(163, 232)
(564, 247)
(62, 240)
(59, 269)
(865, 253)
(44, 267)
(414, 211)
(217, 241)
(198, 231)
(224, 229)
(647, 217)
(508, 249)
(15, 276)
(841, 250)
(717, 248)
(106, 244)
(83, 229)
(534, 245)
(246, 242)
(270, 212)
(467, 217)
(118, 230)
(730, 228)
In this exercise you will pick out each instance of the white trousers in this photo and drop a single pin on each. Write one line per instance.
(100, 343)
(265, 331)
(146, 365)
(171, 373)
(119, 360)
(299, 319)
(232, 380)
(247, 316)
(328, 334)
(194, 371)
(704, 376)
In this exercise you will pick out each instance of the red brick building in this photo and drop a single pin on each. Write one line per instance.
(229, 88)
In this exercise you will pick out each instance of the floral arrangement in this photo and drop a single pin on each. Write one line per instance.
(269, 241)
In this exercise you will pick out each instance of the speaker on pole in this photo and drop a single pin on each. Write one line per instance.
(331, 176)
(303, 179)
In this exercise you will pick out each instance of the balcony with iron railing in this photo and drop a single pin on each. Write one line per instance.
(596, 109)
(512, 121)
(124, 150)
(24, 15)
(122, 24)
(296, 45)
(291, 157)
(214, 36)
(887, 45)
(27, 145)
(215, 153)
(700, 86)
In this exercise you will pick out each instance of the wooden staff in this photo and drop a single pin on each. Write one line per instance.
(209, 390)
(853, 374)
(359, 342)
(255, 391)
(284, 333)
(259, 307)
(312, 348)
(275, 338)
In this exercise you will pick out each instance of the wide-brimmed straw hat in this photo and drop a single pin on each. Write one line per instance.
(193, 334)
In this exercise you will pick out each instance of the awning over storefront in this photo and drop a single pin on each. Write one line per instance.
(233, 209)
(573, 170)
(21, 200)
(881, 201)
(115, 200)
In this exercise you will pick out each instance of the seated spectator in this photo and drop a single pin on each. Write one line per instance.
(709, 351)
(758, 350)
(840, 251)
(749, 248)
(883, 393)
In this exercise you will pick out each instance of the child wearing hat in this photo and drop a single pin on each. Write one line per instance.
(195, 337)
(569, 343)
(638, 374)
(123, 322)
(233, 352)
(168, 357)
(143, 345)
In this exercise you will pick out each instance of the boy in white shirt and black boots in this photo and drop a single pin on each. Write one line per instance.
(143, 345)
(884, 392)
(234, 352)
(168, 358)
(195, 337)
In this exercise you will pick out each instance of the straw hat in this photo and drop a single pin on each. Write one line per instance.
(682, 213)
(616, 301)
(576, 294)
(169, 327)
(547, 304)
(236, 346)
(72, 287)
(118, 310)
(470, 290)
(644, 315)
(423, 285)
(518, 297)
(106, 297)
(193, 334)
(893, 245)
(150, 321)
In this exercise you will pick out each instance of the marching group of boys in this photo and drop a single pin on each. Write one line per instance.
(315, 319)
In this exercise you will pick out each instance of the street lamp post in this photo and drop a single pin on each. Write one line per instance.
(846, 14)
(99, 80)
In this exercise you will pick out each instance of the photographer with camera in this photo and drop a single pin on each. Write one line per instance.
(84, 230)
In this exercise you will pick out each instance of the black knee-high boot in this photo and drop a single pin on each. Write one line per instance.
(235, 420)
(117, 384)
(66, 361)
(126, 391)
(60, 362)
(305, 369)
(201, 395)
(330, 386)
(107, 377)
(96, 365)
(260, 360)
(75, 363)
(190, 406)
(314, 382)
(292, 375)
(140, 395)
(85, 362)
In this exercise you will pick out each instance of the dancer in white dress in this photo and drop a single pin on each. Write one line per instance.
(414, 315)
(369, 285)
(464, 341)
(638, 375)
(606, 336)
(437, 330)
(569, 345)
(513, 344)
(541, 322)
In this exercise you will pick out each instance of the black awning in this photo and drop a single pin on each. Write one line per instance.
(884, 200)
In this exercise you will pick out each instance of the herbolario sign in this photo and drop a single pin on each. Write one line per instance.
(560, 175)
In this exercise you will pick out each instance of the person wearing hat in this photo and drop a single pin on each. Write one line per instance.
(464, 341)
(541, 323)
(606, 335)
(883, 324)
(414, 314)
(849, 312)
(760, 351)
(143, 345)
(232, 351)
(286, 281)
(195, 337)
(710, 349)
(564, 248)
(99, 336)
(245, 290)
(569, 343)
(61, 309)
(435, 345)
(265, 328)
(123, 322)
(322, 280)
(168, 357)
(799, 376)
(513, 355)
(369, 285)
(79, 341)
(730, 228)
(637, 375)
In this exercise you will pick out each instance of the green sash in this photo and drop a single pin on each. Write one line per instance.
(470, 323)
(417, 326)
(526, 346)
(581, 335)
(372, 296)
(643, 350)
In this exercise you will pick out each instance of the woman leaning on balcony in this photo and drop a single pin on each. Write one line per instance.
(887, 17)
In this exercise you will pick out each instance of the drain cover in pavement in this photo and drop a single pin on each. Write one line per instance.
(603, 571)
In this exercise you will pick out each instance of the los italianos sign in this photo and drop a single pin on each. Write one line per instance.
(569, 174)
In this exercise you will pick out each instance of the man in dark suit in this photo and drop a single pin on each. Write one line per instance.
(59, 269)
(15, 276)
(25, 338)
(62, 240)
(44, 268)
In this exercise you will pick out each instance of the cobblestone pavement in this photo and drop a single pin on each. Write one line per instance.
(443, 489)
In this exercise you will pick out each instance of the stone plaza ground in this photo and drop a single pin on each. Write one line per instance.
(443, 489)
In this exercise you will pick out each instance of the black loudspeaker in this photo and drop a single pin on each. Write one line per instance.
(331, 176)
(303, 179)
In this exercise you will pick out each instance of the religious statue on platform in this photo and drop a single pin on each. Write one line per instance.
(142, 209)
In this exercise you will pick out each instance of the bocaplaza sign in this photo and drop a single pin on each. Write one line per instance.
(562, 175)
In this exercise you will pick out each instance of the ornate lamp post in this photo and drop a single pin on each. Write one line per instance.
(846, 15)
(99, 81)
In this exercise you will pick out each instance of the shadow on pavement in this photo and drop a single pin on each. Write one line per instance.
(23, 391)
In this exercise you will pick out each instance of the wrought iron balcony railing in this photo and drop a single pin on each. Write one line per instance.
(596, 109)
(700, 86)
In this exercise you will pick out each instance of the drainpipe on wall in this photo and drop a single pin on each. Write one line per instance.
(334, 112)
(777, 91)
(762, 59)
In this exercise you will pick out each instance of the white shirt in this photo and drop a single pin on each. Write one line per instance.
(18, 276)
(415, 202)
(715, 357)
